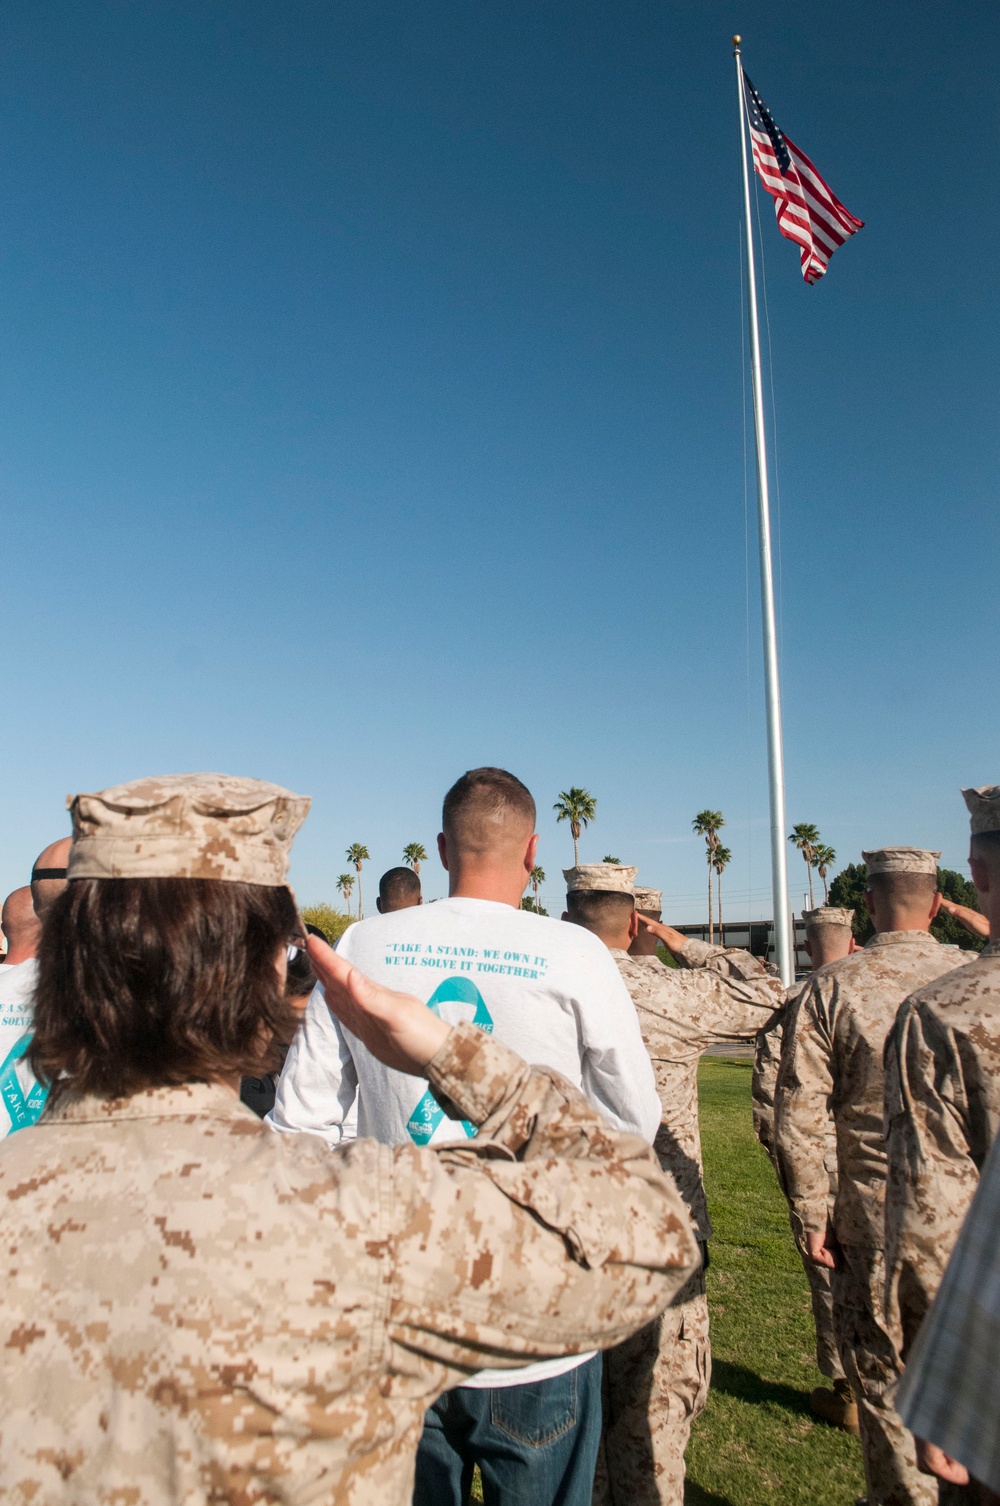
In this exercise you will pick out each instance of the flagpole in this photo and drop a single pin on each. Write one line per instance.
(783, 950)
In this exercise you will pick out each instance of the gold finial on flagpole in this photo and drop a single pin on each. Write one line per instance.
(736, 42)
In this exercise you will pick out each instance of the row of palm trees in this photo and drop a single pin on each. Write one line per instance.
(805, 836)
(579, 808)
(414, 853)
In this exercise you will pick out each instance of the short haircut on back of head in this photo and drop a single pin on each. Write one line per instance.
(398, 884)
(903, 889)
(485, 809)
(599, 909)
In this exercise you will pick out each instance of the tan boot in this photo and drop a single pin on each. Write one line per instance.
(837, 1406)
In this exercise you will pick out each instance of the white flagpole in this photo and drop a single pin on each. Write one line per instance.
(783, 950)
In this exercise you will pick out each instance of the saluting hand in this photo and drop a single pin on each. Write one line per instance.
(970, 919)
(673, 940)
(398, 1029)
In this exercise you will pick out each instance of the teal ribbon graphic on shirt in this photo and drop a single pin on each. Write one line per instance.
(428, 1113)
(23, 1109)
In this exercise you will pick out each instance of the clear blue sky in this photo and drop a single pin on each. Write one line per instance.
(371, 408)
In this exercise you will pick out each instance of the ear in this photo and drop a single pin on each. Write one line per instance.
(869, 904)
(935, 905)
(443, 851)
(853, 947)
(809, 948)
(633, 925)
(531, 852)
(378, 904)
(980, 874)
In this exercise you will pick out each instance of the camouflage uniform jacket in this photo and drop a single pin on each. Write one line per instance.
(714, 996)
(942, 1108)
(199, 1310)
(831, 1068)
(764, 1084)
(766, 1059)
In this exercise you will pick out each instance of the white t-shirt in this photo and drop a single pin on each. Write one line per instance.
(549, 990)
(21, 1098)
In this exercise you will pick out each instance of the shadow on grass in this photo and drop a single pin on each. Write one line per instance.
(735, 1380)
(695, 1495)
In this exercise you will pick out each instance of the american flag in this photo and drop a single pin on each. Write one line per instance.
(808, 212)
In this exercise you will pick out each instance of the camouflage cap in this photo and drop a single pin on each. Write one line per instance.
(206, 826)
(607, 878)
(826, 915)
(901, 860)
(984, 808)
(647, 899)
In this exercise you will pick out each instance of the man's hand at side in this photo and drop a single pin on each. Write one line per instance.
(398, 1029)
(932, 1460)
(822, 1249)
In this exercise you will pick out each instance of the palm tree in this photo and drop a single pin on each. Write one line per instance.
(345, 884)
(536, 879)
(357, 854)
(579, 808)
(720, 859)
(707, 824)
(607, 858)
(414, 855)
(825, 859)
(805, 837)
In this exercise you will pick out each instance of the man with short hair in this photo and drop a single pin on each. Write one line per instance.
(48, 876)
(829, 938)
(398, 889)
(552, 992)
(21, 1098)
(656, 1383)
(20, 926)
(831, 1072)
(942, 1098)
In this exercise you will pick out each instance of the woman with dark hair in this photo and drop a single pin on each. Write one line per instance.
(199, 1310)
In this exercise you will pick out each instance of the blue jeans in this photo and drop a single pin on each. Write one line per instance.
(536, 1445)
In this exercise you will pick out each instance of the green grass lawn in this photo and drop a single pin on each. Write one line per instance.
(757, 1443)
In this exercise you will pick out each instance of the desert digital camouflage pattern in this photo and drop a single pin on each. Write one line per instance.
(714, 996)
(831, 1069)
(767, 1058)
(984, 808)
(606, 878)
(901, 860)
(198, 1310)
(202, 826)
(942, 1106)
(657, 1384)
(872, 1365)
(654, 1385)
